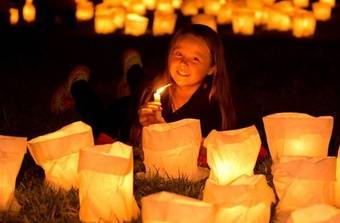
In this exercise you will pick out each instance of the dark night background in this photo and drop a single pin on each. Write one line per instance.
(270, 71)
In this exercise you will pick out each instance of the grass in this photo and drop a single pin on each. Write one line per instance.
(40, 203)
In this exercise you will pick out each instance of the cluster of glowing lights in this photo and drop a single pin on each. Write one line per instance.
(298, 16)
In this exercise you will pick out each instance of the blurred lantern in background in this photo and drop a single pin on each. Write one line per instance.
(322, 11)
(12, 151)
(84, 10)
(104, 19)
(301, 3)
(224, 16)
(150, 4)
(297, 134)
(106, 184)
(211, 7)
(232, 153)
(14, 16)
(243, 21)
(135, 25)
(58, 152)
(164, 6)
(28, 11)
(137, 7)
(208, 20)
(189, 8)
(163, 23)
(330, 2)
(169, 207)
(304, 24)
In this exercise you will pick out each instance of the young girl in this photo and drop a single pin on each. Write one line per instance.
(199, 89)
(199, 83)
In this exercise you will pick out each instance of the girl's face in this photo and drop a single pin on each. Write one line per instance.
(190, 61)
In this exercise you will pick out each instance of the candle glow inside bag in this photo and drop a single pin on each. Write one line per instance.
(302, 182)
(168, 207)
(58, 152)
(232, 153)
(297, 134)
(12, 151)
(106, 184)
(246, 199)
(171, 149)
(318, 213)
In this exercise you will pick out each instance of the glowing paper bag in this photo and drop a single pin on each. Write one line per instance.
(301, 182)
(169, 207)
(106, 184)
(58, 152)
(337, 182)
(171, 149)
(246, 199)
(12, 151)
(297, 134)
(319, 213)
(232, 153)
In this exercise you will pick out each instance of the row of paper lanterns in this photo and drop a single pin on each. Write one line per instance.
(304, 177)
(243, 15)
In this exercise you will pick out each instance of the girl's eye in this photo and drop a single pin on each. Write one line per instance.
(177, 54)
(196, 59)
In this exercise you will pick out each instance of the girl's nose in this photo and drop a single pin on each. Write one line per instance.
(183, 64)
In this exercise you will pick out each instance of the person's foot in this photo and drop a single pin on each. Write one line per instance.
(130, 57)
(62, 99)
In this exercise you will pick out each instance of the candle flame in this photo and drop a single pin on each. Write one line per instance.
(161, 89)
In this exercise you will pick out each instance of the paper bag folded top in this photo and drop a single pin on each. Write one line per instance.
(297, 134)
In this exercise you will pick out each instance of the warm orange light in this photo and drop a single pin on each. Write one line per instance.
(12, 151)
(58, 152)
(278, 20)
(243, 21)
(297, 134)
(232, 153)
(330, 2)
(163, 23)
(189, 8)
(301, 3)
(170, 207)
(165, 6)
(138, 7)
(171, 149)
(157, 94)
(225, 14)
(84, 11)
(211, 7)
(14, 16)
(106, 184)
(135, 25)
(29, 11)
(322, 11)
(315, 213)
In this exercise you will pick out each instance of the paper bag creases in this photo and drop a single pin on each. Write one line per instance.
(297, 134)
(106, 183)
(169, 207)
(246, 199)
(58, 153)
(12, 151)
(171, 149)
(232, 153)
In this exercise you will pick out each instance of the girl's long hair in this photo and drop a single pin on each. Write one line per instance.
(220, 87)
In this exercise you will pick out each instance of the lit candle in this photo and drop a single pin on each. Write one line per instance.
(163, 23)
(29, 11)
(157, 94)
(84, 11)
(303, 24)
(135, 25)
(331, 2)
(243, 21)
(301, 3)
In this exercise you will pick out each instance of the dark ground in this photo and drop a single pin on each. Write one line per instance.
(270, 71)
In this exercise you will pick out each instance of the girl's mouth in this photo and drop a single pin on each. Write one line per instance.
(183, 74)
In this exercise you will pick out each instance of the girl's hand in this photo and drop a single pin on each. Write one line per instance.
(150, 113)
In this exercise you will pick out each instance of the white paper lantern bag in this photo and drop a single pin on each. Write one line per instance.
(58, 152)
(12, 151)
(318, 213)
(170, 207)
(297, 134)
(246, 199)
(232, 153)
(302, 182)
(171, 149)
(106, 184)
